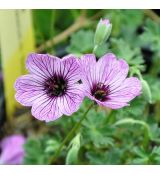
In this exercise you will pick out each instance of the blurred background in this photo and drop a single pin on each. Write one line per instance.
(135, 37)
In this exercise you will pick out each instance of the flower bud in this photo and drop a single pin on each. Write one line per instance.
(72, 155)
(103, 31)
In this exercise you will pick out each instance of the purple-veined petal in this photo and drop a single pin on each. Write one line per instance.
(46, 109)
(69, 68)
(118, 76)
(71, 101)
(42, 65)
(112, 104)
(87, 61)
(119, 97)
(99, 71)
(87, 64)
(28, 88)
(88, 70)
(111, 71)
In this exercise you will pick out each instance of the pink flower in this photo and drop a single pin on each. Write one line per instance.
(12, 150)
(52, 87)
(106, 83)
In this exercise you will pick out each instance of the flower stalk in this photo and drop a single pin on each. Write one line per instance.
(69, 136)
(147, 132)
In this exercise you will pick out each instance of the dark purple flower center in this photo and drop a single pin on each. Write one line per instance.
(55, 86)
(100, 92)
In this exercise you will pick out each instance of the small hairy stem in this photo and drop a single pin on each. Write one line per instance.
(69, 136)
(147, 132)
(110, 119)
(146, 139)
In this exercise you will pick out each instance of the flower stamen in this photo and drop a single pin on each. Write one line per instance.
(100, 91)
(55, 86)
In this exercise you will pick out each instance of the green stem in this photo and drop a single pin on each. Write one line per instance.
(146, 138)
(110, 119)
(70, 134)
(139, 75)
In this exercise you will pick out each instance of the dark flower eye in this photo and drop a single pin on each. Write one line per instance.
(100, 91)
(55, 86)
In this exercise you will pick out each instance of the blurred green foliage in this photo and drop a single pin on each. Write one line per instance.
(136, 138)
(79, 39)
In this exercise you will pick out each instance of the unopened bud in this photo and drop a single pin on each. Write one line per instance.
(103, 31)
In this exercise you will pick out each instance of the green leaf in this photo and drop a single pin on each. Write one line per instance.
(156, 150)
(135, 110)
(155, 130)
(142, 157)
(140, 161)
(140, 152)
(52, 145)
(81, 42)
(111, 156)
(125, 22)
(34, 151)
(38, 150)
(151, 35)
(97, 131)
(131, 54)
